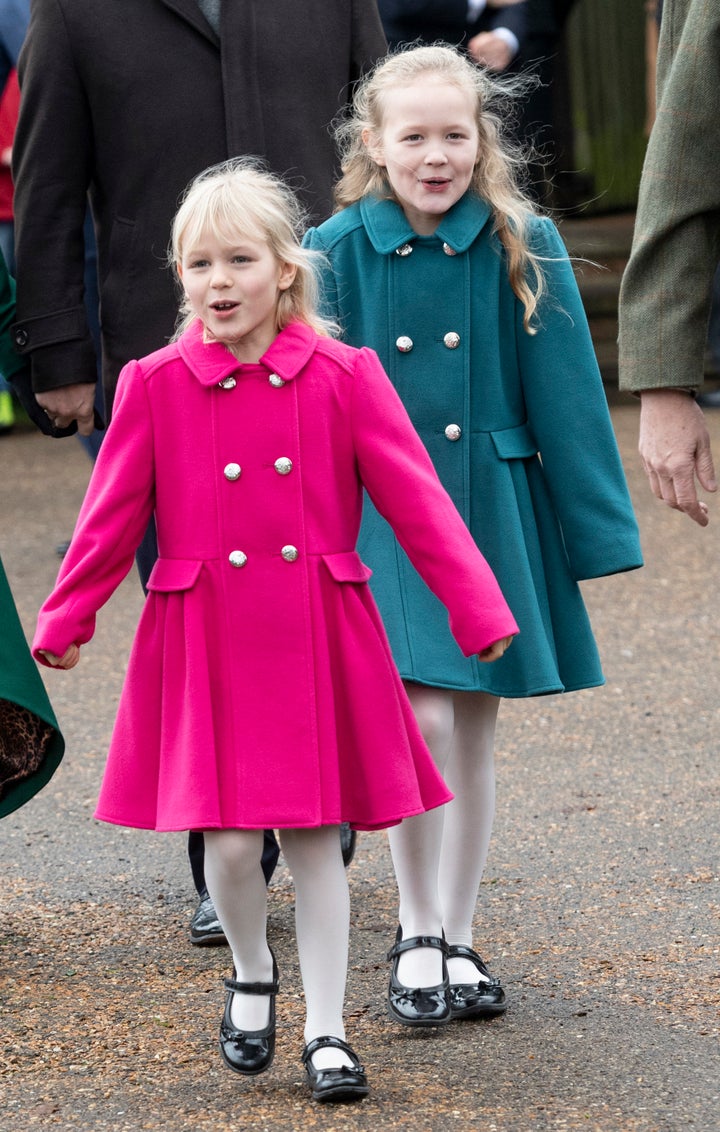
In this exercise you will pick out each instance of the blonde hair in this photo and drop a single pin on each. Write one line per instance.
(499, 162)
(241, 197)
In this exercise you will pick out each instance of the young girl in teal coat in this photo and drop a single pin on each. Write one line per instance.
(438, 261)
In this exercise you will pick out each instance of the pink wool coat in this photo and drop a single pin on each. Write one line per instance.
(260, 690)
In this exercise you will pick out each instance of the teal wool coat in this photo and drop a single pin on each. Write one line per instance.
(516, 424)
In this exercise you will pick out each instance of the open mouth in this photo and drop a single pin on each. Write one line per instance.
(223, 306)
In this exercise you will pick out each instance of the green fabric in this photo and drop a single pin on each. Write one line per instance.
(10, 361)
(21, 685)
(666, 291)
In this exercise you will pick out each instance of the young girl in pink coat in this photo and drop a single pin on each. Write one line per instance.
(260, 690)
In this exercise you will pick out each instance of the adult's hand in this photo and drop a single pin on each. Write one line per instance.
(675, 450)
(490, 50)
(70, 403)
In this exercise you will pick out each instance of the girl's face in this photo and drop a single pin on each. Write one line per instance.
(428, 144)
(234, 289)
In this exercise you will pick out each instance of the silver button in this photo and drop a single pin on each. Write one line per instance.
(453, 432)
(275, 381)
(237, 558)
(406, 249)
(228, 383)
(290, 553)
(283, 465)
(452, 340)
(232, 471)
(448, 250)
(404, 344)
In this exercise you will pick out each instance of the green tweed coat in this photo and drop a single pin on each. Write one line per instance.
(517, 426)
(666, 290)
(31, 745)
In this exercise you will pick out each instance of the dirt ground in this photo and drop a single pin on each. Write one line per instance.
(600, 907)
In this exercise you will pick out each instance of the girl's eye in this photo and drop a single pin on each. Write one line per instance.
(198, 263)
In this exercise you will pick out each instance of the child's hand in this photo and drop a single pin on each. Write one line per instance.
(495, 651)
(69, 660)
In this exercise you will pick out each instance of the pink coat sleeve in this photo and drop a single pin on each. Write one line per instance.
(112, 521)
(401, 480)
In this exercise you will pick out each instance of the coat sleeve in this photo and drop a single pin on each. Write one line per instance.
(368, 38)
(52, 151)
(404, 487)
(112, 521)
(666, 290)
(568, 415)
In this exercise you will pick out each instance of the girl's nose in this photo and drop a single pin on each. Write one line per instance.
(436, 156)
(220, 276)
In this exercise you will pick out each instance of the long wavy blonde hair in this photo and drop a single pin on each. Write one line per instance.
(241, 197)
(497, 169)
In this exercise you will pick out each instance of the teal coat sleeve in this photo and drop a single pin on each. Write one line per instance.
(10, 361)
(571, 425)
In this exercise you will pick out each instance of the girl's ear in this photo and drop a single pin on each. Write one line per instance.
(372, 145)
(288, 271)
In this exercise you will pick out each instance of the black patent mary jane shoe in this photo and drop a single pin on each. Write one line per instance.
(341, 1085)
(248, 1051)
(483, 999)
(418, 1006)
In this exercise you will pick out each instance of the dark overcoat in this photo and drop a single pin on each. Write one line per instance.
(131, 99)
(517, 425)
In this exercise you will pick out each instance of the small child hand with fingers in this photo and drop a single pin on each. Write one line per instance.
(68, 660)
(495, 650)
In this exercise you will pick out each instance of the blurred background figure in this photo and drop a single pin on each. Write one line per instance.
(491, 31)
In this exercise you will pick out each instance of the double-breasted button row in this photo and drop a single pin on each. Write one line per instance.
(238, 558)
(405, 344)
(283, 466)
(226, 383)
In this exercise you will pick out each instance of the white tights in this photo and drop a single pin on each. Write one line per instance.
(322, 915)
(439, 857)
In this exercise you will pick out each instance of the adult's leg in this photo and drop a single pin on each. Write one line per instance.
(322, 918)
(415, 845)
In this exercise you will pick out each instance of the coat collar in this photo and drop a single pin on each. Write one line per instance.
(211, 362)
(388, 228)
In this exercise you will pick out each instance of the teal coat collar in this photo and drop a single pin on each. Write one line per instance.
(388, 228)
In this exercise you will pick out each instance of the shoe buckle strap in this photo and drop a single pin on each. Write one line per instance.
(252, 988)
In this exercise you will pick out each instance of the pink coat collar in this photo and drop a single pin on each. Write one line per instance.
(211, 362)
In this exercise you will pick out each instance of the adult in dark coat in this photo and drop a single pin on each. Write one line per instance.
(127, 101)
(130, 99)
(492, 32)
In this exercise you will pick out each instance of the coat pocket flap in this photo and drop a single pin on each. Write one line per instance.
(514, 443)
(171, 574)
(347, 567)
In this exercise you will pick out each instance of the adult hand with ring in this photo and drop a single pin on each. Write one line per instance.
(70, 403)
